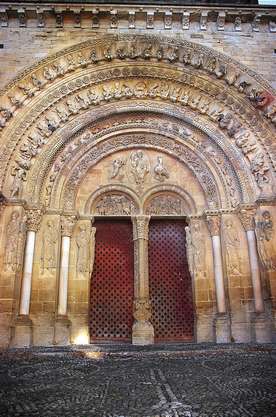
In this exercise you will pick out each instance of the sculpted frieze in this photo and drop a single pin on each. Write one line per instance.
(113, 205)
(165, 205)
(81, 101)
(188, 157)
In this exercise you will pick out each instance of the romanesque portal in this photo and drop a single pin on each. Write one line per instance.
(149, 162)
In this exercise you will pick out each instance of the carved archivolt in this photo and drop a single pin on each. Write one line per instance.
(204, 93)
(119, 171)
(205, 178)
(38, 134)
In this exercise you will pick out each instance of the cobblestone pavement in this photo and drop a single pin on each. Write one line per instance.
(179, 381)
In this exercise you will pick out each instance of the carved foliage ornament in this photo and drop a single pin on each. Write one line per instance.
(247, 218)
(142, 309)
(214, 223)
(33, 219)
(67, 225)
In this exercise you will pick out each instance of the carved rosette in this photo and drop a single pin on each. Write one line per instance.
(67, 225)
(33, 219)
(214, 224)
(142, 309)
(247, 217)
(141, 227)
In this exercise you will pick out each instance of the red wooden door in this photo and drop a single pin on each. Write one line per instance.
(111, 302)
(170, 282)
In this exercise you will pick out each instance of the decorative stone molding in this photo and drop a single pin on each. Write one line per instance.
(141, 227)
(67, 225)
(214, 223)
(247, 216)
(142, 309)
(33, 219)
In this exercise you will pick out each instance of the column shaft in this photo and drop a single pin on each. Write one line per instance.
(27, 273)
(63, 278)
(255, 271)
(218, 270)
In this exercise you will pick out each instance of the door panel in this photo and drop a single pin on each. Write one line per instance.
(111, 302)
(170, 282)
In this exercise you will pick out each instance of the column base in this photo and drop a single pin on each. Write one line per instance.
(62, 331)
(262, 326)
(22, 332)
(204, 328)
(142, 333)
(222, 326)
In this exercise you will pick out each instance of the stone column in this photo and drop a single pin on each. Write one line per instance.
(62, 326)
(222, 320)
(23, 325)
(247, 217)
(142, 330)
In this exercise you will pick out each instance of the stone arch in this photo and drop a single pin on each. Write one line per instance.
(60, 79)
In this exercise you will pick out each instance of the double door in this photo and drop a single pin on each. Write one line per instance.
(112, 282)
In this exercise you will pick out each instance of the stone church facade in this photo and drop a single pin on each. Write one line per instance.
(137, 173)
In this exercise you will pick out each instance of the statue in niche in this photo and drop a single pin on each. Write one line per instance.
(117, 165)
(14, 235)
(264, 233)
(48, 250)
(114, 205)
(139, 166)
(83, 239)
(160, 172)
(232, 248)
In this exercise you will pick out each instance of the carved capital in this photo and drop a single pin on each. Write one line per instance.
(33, 219)
(142, 309)
(247, 217)
(67, 225)
(214, 223)
(140, 227)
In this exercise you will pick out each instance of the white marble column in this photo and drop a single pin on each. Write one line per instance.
(222, 322)
(62, 325)
(247, 219)
(23, 325)
(214, 223)
(67, 226)
(142, 330)
(32, 223)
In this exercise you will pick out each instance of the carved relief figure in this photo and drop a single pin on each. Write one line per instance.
(117, 164)
(264, 233)
(115, 205)
(13, 235)
(19, 175)
(232, 248)
(165, 205)
(48, 250)
(160, 172)
(83, 249)
(198, 249)
(139, 166)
